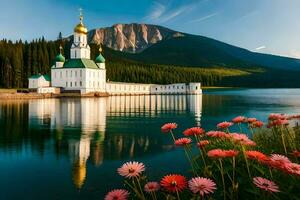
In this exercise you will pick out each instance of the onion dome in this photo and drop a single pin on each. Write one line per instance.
(80, 28)
(60, 57)
(100, 58)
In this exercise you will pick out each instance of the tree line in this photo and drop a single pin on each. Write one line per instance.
(20, 60)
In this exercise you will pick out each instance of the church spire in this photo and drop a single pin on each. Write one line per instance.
(80, 16)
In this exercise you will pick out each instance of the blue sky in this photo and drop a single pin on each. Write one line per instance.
(267, 26)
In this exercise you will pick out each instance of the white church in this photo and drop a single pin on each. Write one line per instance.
(81, 74)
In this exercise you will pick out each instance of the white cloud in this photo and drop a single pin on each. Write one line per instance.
(175, 13)
(157, 11)
(161, 13)
(204, 17)
(260, 48)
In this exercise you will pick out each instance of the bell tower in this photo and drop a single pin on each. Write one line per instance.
(80, 47)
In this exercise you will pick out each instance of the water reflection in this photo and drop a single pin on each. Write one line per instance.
(80, 126)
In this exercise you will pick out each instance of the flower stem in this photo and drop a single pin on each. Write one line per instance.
(142, 193)
(178, 197)
(191, 162)
(246, 160)
(222, 176)
(134, 188)
(283, 141)
(172, 135)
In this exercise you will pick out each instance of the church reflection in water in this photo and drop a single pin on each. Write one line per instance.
(88, 128)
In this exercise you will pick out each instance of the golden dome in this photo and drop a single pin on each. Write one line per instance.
(80, 28)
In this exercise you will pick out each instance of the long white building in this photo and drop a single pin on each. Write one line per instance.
(83, 75)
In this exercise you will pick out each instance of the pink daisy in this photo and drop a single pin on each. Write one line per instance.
(194, 131)
(224, 125)
(265, 184)
(279, 158)
(168, 127)
(202, 143)
(218, 134)
(131, 169)
(275, 116)
(292, 168)
(183, 141)
(203, 186)
(280, 122)
(251, 120)
(257, 124)
(239, 119)
(118, 194)
(151, 187)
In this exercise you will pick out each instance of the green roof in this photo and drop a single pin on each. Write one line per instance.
(100, 59)
(47, 77)
(37, 76)
(60, 58)
(80, 63)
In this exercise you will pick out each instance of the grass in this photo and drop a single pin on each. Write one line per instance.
(4, 90)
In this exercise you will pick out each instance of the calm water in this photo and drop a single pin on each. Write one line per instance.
(71, 148)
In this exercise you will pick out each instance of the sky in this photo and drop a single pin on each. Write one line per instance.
(266, 26)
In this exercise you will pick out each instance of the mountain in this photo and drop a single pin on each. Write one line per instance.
(131, 37)
(154, 44)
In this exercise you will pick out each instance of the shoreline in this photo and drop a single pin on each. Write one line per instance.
(8, 96)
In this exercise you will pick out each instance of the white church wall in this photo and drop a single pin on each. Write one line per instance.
(95, 81)
(35, 83)
(69, 79)
(115, 88)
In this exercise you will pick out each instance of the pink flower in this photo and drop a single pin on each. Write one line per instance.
(276, 116)
(242, 139)
(279, 158)
(216, 153)
(224, 125)
(265, 184)
(251, 120)
(280, 122)
(203, 186)
(131, 169)
(166, 128)
(151, 187)
(239, 137)
(219, 153)
(257, 124)
(292, 168)
(118, 194)
(257, 155)
(202, 143)
(194, 131)
(238, 119)
(183, 141)
(218, 134)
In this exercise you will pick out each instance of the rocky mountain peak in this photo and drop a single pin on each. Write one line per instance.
(131, 37)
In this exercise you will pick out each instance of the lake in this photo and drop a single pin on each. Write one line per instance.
(71, 148)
